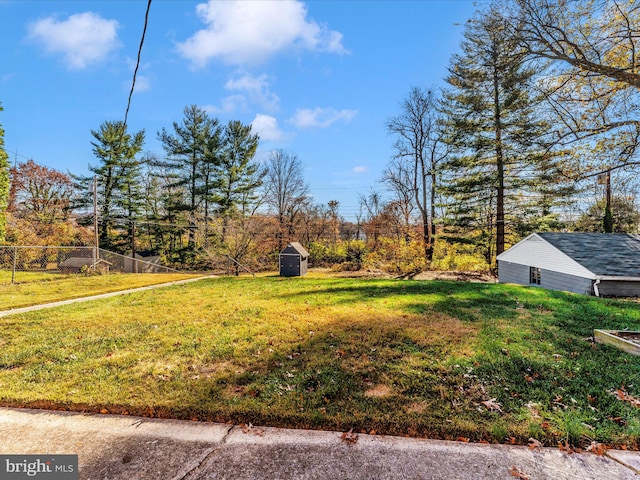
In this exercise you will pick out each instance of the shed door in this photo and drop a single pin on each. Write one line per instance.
(290, 264)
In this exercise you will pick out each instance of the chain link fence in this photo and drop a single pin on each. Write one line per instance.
(24, 263)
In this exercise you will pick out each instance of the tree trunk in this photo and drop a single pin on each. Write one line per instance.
(499, 167)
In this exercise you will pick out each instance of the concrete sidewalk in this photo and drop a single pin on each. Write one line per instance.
(130, 448)
(42, 306)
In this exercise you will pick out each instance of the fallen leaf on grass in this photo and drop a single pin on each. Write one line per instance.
(349, 437)
(251, 429)
(566, 447)
(492, 405)
(533, 443)
(597, 448)
(621, 394)
(516, 472)
(533, 409)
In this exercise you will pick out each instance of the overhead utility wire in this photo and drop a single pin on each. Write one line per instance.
(135, 71)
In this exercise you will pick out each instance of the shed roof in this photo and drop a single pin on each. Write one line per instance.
(78, 262)
(602, 253)
(295, 247)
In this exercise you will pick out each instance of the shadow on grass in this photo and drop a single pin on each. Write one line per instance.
(421, 364)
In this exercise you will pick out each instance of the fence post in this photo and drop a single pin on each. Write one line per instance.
(15, 261)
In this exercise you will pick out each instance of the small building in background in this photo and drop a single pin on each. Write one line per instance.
(601, 264)
(77, 264)
(293, 260)
(146, 261)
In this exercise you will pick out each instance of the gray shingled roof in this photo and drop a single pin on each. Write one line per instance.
(78, 262)
(602, 253)
(295, 247)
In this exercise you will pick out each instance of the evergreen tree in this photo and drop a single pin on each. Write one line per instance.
(237, 176)
(500, 156)
(117, 171)
(192, 157)
(623, 216)
(4, 183)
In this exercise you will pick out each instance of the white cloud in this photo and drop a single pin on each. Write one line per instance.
(257, 88)
(241, 33)
(360, 169)
(82, 38)
(253, 90)
(321, 117)
(267, 127)
(143, 84)
(228, 105)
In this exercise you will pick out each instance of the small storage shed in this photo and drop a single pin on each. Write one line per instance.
(75, 265)
(293, 260)
(601, 264)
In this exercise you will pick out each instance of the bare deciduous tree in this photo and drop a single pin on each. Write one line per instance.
(419, 151)
(285, 191)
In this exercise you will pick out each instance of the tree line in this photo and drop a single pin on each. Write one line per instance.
(541, 101)
(536, 129)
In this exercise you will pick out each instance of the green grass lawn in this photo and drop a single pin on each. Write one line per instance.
(36, 288)
(395, 357)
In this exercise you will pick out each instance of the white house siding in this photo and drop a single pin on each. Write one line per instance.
(536, 252)
(568, 283)
(513, 273)
(519, 274)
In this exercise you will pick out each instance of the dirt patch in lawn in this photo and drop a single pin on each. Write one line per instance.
(378, 391)
(481, 277)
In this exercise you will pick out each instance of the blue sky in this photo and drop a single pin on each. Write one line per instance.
(317, 78)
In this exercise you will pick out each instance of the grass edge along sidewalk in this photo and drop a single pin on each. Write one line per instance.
(42, 306)
(124, 447)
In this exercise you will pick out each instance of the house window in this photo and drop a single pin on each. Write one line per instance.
(534, 275)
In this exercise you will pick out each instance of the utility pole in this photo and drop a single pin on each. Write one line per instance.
(133, 246)
(607, 221)
(608, 192)
(96, 242)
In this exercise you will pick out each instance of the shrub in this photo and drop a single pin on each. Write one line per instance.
(457, 256)
(398, 257)
(323, 255)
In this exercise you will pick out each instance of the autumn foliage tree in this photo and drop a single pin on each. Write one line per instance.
(39, 193)
(40, 204)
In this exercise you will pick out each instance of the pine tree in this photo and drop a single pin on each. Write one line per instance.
(498, 140)
(117, 171)
(192, 157)
(4, 183)
(237, 176)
